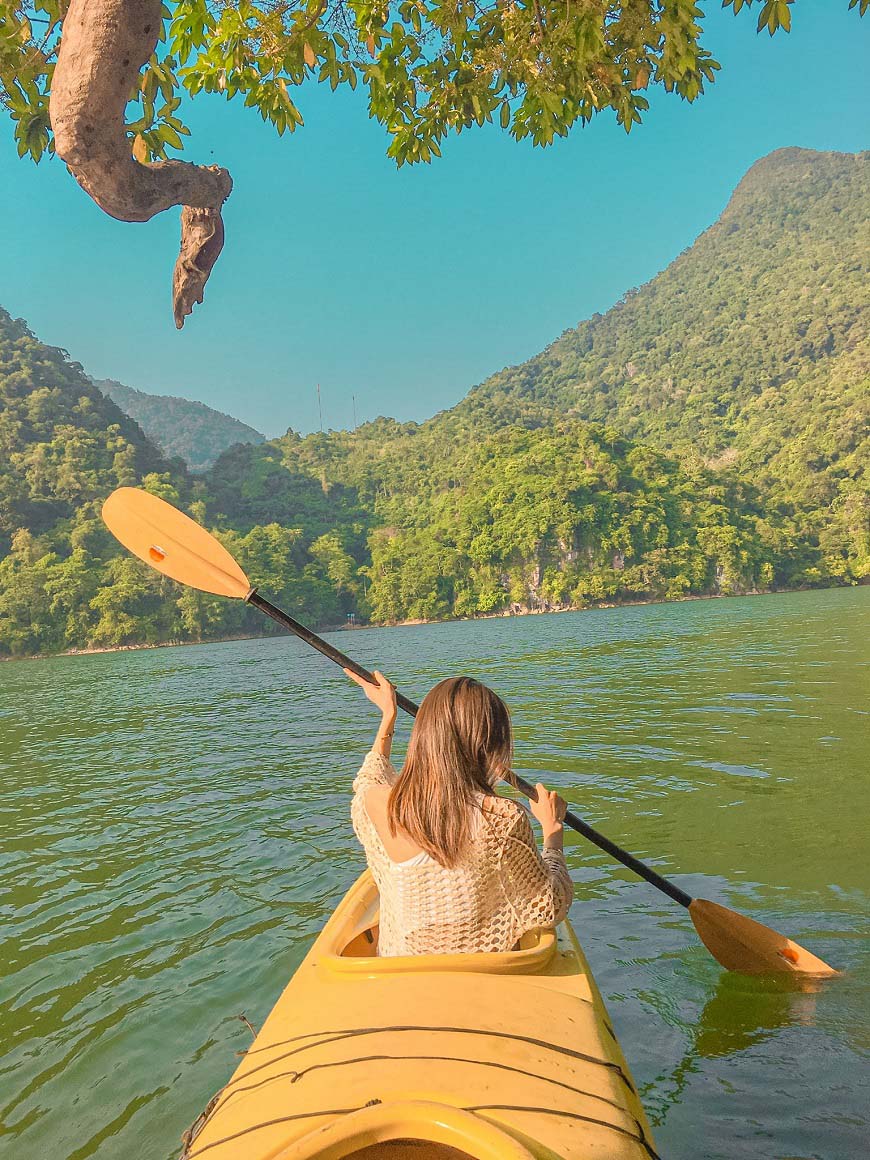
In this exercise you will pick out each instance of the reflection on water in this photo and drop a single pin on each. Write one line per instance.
(741, 1013)
(174, 831)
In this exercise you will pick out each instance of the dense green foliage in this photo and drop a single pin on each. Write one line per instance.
(179, 427)
(430, 67)
(555, 517)
(61, 442)
(62, 447)
(708, 435)
(64, 581)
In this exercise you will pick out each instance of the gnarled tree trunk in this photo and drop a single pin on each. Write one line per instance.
(103, 47)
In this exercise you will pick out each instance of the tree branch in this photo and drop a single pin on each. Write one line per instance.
(104, 45)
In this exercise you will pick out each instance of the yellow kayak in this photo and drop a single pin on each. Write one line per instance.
(435, 1057)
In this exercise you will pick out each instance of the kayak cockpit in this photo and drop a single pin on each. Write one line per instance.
(491, 1056)
(409, 1130)
(409, 1150)
(352, 946)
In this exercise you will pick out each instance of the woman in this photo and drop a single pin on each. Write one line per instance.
(456, 865)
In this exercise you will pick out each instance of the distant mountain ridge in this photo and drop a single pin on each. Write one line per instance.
(192, 431)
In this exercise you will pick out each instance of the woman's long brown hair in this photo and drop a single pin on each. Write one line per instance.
(460, 746)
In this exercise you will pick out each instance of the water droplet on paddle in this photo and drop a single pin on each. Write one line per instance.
(156, 553)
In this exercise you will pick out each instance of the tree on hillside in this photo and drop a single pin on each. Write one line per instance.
(100, 81)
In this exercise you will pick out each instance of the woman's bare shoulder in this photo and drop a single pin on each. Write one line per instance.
(378, 793)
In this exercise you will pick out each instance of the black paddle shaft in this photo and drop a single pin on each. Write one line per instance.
(641, 869)
(321, 645)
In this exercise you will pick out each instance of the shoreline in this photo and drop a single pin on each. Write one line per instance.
(411, 623)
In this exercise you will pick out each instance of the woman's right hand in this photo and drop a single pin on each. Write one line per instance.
(383, 694)
(549, 808)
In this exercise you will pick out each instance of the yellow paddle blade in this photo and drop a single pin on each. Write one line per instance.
(741, 944)
(172, 542)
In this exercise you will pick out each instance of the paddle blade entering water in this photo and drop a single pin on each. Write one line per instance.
(741, 944)
(172, 543)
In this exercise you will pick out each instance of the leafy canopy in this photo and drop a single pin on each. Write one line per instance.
(430, 66)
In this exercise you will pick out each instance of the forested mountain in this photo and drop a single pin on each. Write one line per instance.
(179, 427)
(746, 362)
(751, 349)
(64, 581)
(778, 285)
(60, 440)
(62, 447)
(708, 435)
(567, 514)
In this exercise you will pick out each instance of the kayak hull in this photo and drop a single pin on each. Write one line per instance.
(433, 1057)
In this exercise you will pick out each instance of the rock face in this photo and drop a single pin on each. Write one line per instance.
(191, 431)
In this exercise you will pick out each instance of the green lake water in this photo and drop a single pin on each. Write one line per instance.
(174, 831)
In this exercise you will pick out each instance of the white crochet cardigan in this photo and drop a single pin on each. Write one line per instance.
(502, 887)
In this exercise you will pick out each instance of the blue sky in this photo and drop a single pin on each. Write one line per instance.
(404, 288)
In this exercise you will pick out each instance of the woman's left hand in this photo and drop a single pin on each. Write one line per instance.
(383, 694)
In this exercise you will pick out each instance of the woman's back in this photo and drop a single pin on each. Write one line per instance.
(499, 887)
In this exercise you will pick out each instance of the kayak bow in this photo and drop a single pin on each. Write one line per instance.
(490, 1056)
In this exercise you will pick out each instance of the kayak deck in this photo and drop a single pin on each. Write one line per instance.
(506, 1056)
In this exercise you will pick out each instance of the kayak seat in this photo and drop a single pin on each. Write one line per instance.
(365, 943)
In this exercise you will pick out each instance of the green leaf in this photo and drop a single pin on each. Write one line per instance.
(170, 137)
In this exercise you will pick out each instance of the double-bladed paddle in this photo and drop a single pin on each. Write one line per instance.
(180, 548)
